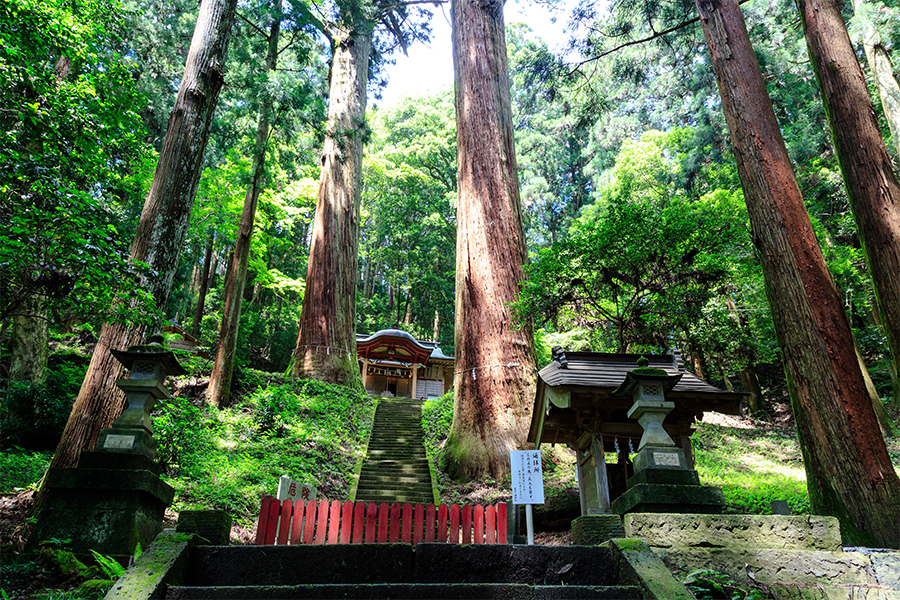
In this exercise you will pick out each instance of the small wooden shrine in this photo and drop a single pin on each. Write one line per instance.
(394, 363)
(581, 402)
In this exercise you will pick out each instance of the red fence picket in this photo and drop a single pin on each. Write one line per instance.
(290, 523)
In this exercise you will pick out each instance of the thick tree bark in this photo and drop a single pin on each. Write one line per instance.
(204, 286)
(495, 368)
(30, 341)
(162, 226)
(883, 75)
(849, 472)
(326, 342)
(219, 388)
(869, 178)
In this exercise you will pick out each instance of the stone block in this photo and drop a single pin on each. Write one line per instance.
(505, 563)
(107, 510)
(771, 566)
(213, 526)
(163, 563)
(639, 565)
(591, 530)
(665, 477)
(735, 531)
(661, 498)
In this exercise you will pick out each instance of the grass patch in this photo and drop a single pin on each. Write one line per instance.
(22, 469)
(227, 459)
(752, 466)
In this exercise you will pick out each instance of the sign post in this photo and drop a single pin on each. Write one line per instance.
(527, 484)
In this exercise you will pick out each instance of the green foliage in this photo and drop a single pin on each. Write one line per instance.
(408, 220)
(227, 459)
(437, 417)
(34, 415)
(70, 149)
(22, 469)
(645, 260)
(706, 584)
(110, 566)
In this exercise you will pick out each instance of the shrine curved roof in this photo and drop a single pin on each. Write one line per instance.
(398, 344)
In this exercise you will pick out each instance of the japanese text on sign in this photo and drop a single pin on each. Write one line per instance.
(294, 490)
(527, 477)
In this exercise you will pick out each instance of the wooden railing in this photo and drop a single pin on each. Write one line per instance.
(324, 522)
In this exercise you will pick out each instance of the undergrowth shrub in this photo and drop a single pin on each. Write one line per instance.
(227, 459)
(33, 415)
(437, 416)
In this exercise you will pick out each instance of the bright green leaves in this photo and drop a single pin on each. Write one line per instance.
(641, 264)
(71, 143)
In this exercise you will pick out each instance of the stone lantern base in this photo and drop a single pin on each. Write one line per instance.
(109, 504)
(667, 490)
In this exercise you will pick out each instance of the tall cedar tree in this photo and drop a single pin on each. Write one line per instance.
(162, 225)
(326, 342)
(849, 472)
(220, 379)
(495, 377)
(869, 178)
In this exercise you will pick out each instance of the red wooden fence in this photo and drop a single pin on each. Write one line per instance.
(287, 522)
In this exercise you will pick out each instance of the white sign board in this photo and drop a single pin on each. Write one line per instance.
(527, 477)
(287, 488)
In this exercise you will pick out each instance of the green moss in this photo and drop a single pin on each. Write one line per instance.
(652, 371)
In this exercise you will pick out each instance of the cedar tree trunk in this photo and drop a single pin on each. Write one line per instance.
(220, 379)
(495, 369)
(326, 342)
(30, 340)
(869, 178)
(162, 226)
(849, 472)
(204, 286)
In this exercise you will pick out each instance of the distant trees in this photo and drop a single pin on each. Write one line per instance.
(495, 369)
(408, 219)
(641, 264)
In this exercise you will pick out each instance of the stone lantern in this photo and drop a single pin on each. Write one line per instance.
(662, 480)
(148, 365)
(115, 498)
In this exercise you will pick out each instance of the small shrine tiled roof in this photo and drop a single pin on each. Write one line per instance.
(606, 372)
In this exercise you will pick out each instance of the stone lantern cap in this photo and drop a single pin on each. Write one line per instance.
(150, 361)
(645, 376)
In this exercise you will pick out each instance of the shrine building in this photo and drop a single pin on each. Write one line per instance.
(394, 363)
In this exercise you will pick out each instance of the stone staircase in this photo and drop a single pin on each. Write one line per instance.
(396, 468)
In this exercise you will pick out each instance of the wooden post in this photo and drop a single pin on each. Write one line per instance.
(579, 458)
(365, 373)
(415, 373)
(602, 479)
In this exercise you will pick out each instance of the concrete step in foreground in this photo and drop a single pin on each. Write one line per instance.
(377, 571)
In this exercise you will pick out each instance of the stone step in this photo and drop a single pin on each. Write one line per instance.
(400, 591)
(402, 563)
